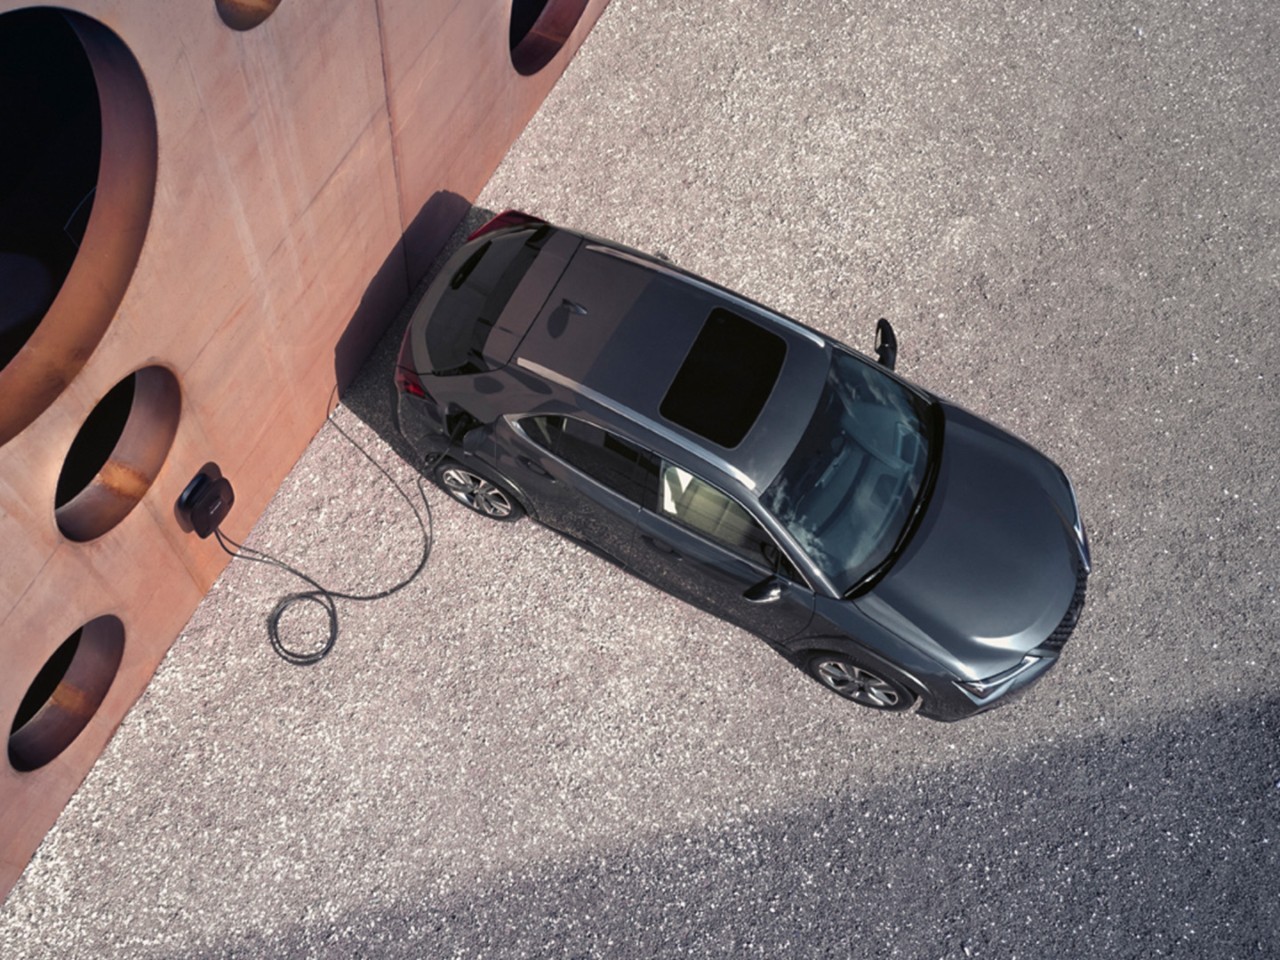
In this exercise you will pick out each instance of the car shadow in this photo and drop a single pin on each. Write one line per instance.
(364, 360)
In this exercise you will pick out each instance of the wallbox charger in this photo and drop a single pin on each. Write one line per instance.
(206, 502)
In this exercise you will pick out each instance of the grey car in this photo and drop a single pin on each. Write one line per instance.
(897, 547)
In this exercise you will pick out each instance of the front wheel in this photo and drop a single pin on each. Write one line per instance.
(475, 490)
(851, 680)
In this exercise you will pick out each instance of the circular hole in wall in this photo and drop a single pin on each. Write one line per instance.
(49, 115)
(117, 454)
(66, 693)
(245, 14)
(77, 179)
(539, 28)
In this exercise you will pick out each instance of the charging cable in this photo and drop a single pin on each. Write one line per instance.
(319, 594)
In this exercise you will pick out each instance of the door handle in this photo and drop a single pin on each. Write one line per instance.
(660, 546)
(535, 467)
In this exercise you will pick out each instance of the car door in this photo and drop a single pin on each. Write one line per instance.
(583, 480)
(697, 542)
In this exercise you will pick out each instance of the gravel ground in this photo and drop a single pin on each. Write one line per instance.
(1071, 211)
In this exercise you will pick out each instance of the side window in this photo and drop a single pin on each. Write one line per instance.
(544, 431)
(620, 466)
(718, 516)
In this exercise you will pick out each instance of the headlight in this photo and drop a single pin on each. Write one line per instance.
(982, 689)
(1077, 526)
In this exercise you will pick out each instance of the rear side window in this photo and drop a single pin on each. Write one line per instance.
(621, 466)
(725, 380)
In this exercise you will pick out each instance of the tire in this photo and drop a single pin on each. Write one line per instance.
(851, 680)
(475, 490)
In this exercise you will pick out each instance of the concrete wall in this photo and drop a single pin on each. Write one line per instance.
(268, 195)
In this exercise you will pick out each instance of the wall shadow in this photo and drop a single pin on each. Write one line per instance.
(1159, 842)
(366, 352)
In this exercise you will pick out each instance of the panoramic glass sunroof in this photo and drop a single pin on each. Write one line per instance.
(725, 380)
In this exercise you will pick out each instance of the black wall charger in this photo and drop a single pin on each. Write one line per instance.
(205, 502)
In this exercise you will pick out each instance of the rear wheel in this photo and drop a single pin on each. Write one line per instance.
(473, 489)
(851, 680)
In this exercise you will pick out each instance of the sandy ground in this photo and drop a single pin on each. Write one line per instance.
(1071, 212)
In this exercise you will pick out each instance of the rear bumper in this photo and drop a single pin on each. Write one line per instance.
(421, 422)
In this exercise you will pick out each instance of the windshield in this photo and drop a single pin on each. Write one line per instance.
(848, 492)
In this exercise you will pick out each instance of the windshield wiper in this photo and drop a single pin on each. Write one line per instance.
(464, 271)
(935, 421)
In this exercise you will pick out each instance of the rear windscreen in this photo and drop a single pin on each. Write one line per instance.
(725, 380)
(477, 292)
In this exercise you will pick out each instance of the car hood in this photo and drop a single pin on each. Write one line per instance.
(991, 570)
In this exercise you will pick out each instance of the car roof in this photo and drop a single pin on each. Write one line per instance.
(618, 326)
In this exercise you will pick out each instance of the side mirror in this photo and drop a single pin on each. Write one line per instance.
(769, 590)
(886, 343)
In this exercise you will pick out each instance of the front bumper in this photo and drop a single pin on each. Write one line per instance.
(952, 702)
(955, 699)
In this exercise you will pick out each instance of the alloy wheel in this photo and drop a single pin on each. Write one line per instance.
(857, 684)
(476, 492)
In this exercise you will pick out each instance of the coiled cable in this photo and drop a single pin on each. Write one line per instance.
(319, 594)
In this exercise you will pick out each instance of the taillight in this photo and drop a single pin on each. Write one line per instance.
(407, 381)
(507, 218)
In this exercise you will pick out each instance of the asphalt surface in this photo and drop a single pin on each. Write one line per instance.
(1071, 212)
